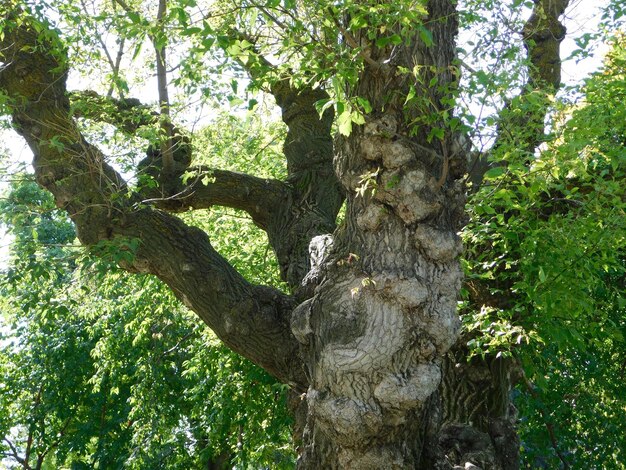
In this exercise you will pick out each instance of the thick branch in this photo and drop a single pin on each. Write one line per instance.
(207, 187)
(203, 187)
(263, 199)
(252, 320)
(315, 193)
(543, 33)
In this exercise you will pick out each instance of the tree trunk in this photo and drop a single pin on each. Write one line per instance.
(375, 334)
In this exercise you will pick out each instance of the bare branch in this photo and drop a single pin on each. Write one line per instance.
(15, 455)
(116, 68)
(207, 187)
(182, 340)
(115, 65)
(159, 44)
(125, 6)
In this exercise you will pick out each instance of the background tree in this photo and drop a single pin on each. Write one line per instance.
(548, 244)
(368, 332)
(103, 369)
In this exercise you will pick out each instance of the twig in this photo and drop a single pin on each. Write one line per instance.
(352, 42)
(177, 345)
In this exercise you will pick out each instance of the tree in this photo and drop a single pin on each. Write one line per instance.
(368, 335)
(545, 283)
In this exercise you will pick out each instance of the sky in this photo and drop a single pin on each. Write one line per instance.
(582, 16)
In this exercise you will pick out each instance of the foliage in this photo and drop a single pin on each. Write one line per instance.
(101, 369)
(550, 238)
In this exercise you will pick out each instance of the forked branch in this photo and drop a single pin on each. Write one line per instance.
(251, 320)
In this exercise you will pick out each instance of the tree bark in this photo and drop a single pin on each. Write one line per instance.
(383, 318)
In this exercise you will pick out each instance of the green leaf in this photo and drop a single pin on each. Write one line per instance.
(542, 274)
(364, 104)
(344, 123)
(193, 31)
(134, 16)
(426, 36)
(323, 105)
(357, 118)
(358, 22)
(410, 95)
(495, 172)
(437, 132)
(394, 39)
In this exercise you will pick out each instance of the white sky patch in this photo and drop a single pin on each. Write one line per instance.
(581, 17)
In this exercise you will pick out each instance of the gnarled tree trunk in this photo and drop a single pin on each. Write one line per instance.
(381, 321)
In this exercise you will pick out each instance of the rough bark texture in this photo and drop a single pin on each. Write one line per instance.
(369, 338)
(376, 332)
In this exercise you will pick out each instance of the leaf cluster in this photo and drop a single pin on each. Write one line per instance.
(548, 238)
